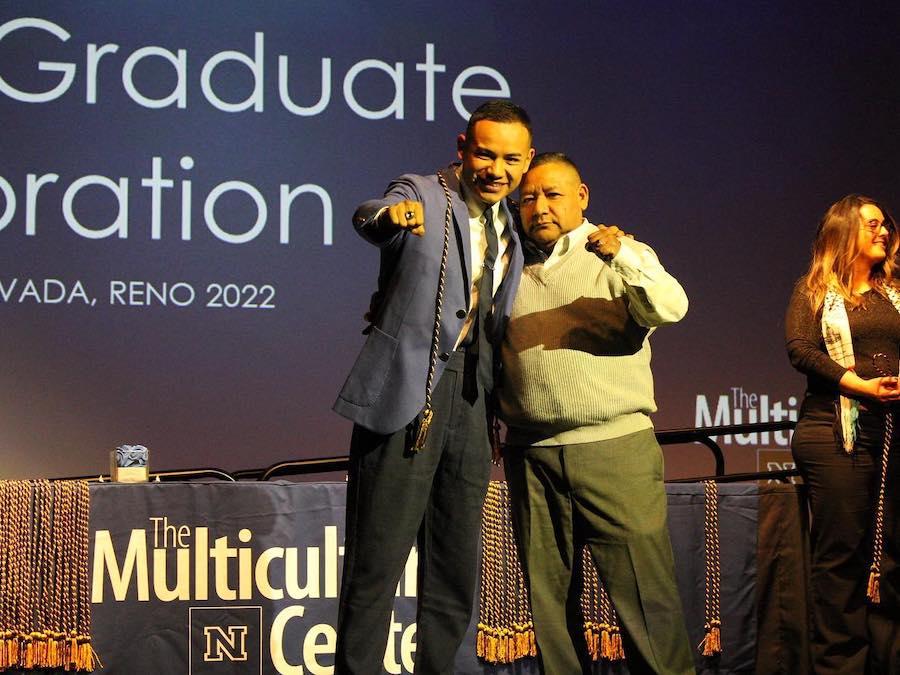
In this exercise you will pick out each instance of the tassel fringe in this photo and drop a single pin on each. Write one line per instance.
(44, 595)
(873, 590)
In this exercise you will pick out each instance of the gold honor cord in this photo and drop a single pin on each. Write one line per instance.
(601, 625)
(45, 619)
(505, 630)
(873, 588)
(428, 411)
(711, 645)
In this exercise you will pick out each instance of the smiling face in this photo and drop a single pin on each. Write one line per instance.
(873, 238)
(494, 157)
(553, 199)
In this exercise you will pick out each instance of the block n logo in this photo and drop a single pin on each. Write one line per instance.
(225, 643)
(225, 640)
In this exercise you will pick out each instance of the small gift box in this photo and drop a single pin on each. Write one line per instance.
(130, 464)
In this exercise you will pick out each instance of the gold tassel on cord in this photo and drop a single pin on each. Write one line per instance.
(39, 648)
(604, 651)
(27, 650)
(616, 650)
(711, 645)
(873, 590)
(590, 639)
(604, 643)
(14, 651)
(505, 629)
(712, 641)
(424, 424)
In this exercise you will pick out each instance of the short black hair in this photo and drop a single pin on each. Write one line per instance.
(554, 158)
(499, 110)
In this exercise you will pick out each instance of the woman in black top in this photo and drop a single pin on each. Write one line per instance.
(843, 333)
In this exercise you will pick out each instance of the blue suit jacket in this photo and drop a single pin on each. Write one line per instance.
(386, 387)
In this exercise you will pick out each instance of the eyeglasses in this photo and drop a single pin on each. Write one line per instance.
(874, 227)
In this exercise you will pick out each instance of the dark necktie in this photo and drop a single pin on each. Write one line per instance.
(485, 303)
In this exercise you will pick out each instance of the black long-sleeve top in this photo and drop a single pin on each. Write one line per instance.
(874, 327)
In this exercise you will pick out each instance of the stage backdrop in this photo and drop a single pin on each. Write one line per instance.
(177, 263)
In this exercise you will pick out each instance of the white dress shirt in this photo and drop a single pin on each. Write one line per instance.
(478, 239)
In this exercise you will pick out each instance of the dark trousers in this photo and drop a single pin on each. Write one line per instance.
(610, 496)
(849, 635)
(395, 496)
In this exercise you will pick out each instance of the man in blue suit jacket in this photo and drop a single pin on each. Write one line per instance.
(394, 492)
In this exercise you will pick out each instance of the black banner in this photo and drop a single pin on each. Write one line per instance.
(244, 578)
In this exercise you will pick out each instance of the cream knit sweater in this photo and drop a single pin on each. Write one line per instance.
(576, 356)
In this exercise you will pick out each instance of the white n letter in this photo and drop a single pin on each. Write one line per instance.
(10, 198)
(287, 198)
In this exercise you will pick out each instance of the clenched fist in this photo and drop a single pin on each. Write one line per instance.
(604, 242)
(405, 215)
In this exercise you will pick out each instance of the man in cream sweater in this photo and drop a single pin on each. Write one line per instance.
(582, 460)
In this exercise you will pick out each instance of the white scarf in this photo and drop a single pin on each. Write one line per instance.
(839, 343)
